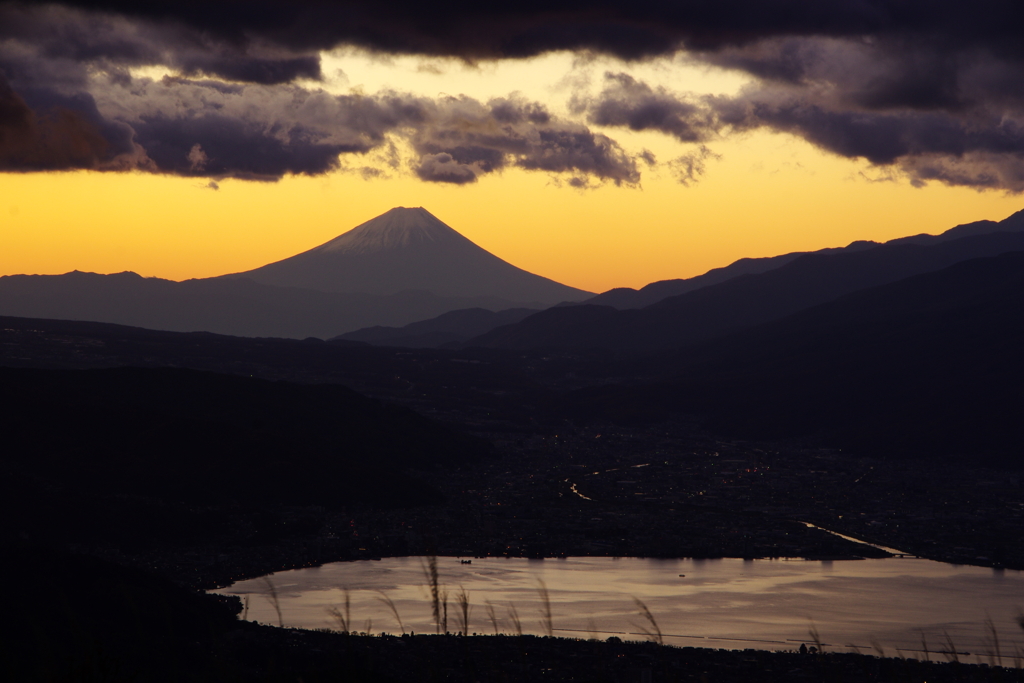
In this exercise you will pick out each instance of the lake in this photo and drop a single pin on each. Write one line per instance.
(895, 603)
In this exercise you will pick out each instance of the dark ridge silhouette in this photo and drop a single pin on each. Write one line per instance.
(743, 301)
(626, 297)
(75, 618)
(448, 328)
(224, 306)
(929, 366)
(410, 249)
(183, 435)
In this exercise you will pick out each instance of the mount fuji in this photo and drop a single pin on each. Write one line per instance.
(401, 267)
(410, 249)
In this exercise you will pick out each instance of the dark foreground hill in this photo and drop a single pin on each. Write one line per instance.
(929, 366)
(202, 438)
(75, 618)
(741, 302)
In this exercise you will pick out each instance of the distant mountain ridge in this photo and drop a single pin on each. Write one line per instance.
(238, 307)
(626, 297)
(743, 301)
(410, 249)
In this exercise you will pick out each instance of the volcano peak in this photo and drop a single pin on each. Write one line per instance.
(410, 249)
(397, 228)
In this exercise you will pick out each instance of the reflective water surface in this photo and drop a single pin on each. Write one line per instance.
(907, 604)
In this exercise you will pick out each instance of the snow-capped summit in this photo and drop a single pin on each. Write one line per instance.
(400, 227)
(410, 249)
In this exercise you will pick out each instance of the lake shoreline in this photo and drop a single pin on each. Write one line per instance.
(725, 603)
(528, 658)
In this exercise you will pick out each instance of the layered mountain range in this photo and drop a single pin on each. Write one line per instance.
(737, 297)
(406, 279)
(927, 366)
(625, 297)
(403, 266)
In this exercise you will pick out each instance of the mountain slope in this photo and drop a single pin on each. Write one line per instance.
(225, 306)
(625, 297)
(927, 366)
(447, 328)
(410, 249)
(743, 301)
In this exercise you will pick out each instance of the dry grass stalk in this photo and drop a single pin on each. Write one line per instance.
(546, 623)
(995, 654)
(434, 585)
(816, 638)
(444, 611)
(271, 596)
(462, 600)
(950, 652)
(924, 648)
(343, 618)
(383, 597)
(492, 616)
(652, 630)
(513, 616)
(1018, 657)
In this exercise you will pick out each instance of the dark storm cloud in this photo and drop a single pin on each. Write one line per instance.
(235, 148)
(628, 102)
(236, 112)
(934, 88)
(927, 146)
(464, 139)
(72, 38)
(66, 134)
(979, 145)
(443, 168)
(207, 128)
(474, 30)
(60, 141)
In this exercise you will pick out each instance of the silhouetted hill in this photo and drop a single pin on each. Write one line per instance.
(625, 297)
(410, 249)
(225, 306)
(743, 301)
(183, 435)
(927, 366)
(75, 618)
(447, 328)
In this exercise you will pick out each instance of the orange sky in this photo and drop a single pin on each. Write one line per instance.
(766, 194)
